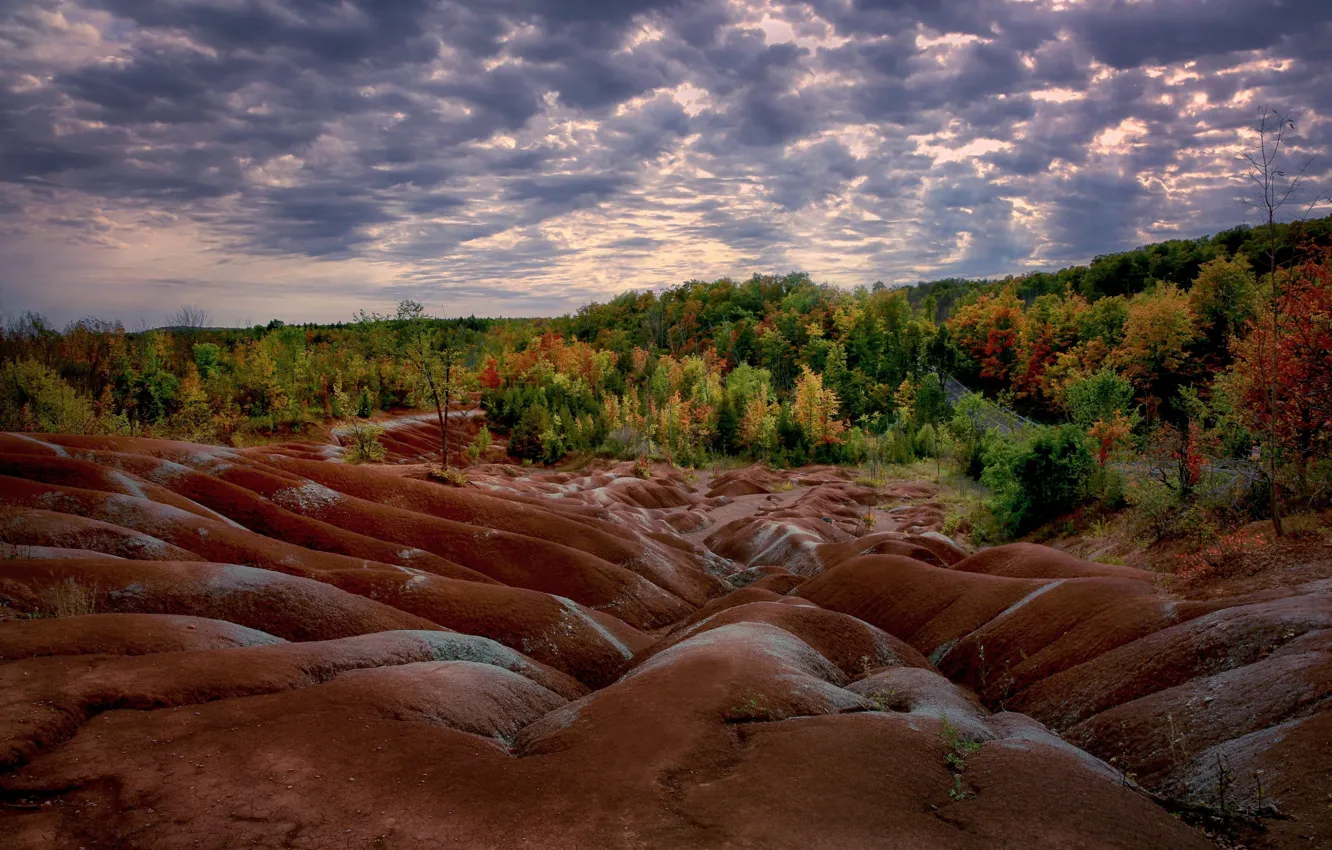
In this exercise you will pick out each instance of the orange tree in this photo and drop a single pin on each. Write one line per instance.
(1154, 353)
(989, 331)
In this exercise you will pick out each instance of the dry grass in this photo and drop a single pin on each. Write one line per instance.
(70, 598)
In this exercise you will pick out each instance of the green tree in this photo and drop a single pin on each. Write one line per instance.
(1223, 302)
(1098, 397)
(1039, 478)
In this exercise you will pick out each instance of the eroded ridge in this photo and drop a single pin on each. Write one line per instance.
(267, 647)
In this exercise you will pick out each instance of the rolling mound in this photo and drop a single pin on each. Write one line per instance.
(215, 647)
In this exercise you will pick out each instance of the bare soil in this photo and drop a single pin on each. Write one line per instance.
(268, 647)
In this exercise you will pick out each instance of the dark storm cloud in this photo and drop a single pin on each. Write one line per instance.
(545, 140)
(1126, 35)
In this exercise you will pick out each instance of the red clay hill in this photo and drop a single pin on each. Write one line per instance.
(205, 647)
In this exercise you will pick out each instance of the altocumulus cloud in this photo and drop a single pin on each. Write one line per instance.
(302, 158)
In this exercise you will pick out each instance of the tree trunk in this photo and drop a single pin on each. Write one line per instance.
(439, 412)
(443, 431)
(1272, 388)
(443, 419)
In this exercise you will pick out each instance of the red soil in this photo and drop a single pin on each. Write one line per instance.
(289, 650)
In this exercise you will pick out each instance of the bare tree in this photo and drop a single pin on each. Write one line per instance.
(433, 352)
(1272, 190)
(194, 318)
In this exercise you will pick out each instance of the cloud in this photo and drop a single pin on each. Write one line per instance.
(546, 152)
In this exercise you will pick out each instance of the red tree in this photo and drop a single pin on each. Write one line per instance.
(1303, 366)
(490, 376)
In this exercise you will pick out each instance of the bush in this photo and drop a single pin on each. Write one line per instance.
(1037, 479)
(972, 437)
(625, 443)
(1156, 509)
(35, 398)
(1107, 486)
(365, 444)
(899, 446)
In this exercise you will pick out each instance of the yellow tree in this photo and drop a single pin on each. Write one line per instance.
(758, 427)
(815, 408)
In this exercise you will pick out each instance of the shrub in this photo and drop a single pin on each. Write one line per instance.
(365, 444)
(854, 447)
(480, 445)
(927, 441)
(1220, 558)
(1039, 478)
(952, 522)
(1156, 509)
(625, 443)
(642, 467)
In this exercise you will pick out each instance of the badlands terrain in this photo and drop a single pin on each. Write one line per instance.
(206, 647)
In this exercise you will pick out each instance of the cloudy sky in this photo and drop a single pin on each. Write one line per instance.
(305, 158)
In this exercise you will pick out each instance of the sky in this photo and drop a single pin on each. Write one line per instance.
(303, 159)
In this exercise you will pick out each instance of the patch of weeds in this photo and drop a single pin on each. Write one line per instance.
(1179, 754)
(783, 487)
(1225, 781)
(956, 751)
(869, 519)
(887, 697)
(447, 475)
(753, 707)
(1107, 558)
(958, 791)
(1099, 529)
(689, 477)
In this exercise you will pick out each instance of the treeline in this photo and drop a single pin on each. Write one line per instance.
(1160, 359)
(219, 385)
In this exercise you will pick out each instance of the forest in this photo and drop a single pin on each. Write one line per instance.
(1188, 380)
